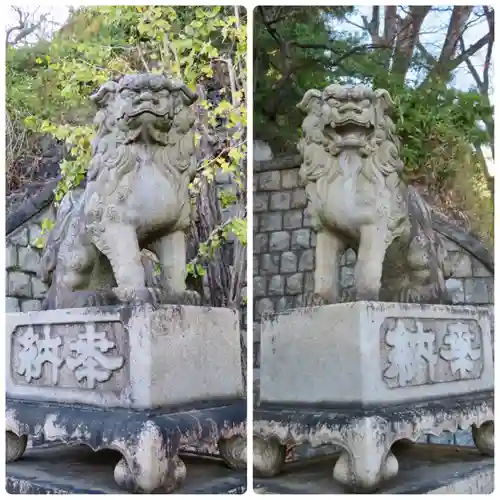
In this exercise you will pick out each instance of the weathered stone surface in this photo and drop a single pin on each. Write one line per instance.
(479, 290)
(60, 469)
(261, 202)
(12, 304)
(39, 288)
(269, 181)
(301, 239)
(349, 257)
(261, 243)
(280, 201)
(364, 353)
(259, 286)
(35, 233)
(456, 290)
(299, 199)
(30, 305)
(292, 219)
(269, 264)
(19, 237)
(478, 269)
(129, 356)
(284, 304)
(347, 277)
(463, 266)
(29, 259)
(369, 438)
(390, 221)
(276, 285)
(18, 284)
(290, 179)
(288, 262)
(271, 221)
(262, 151)
(306, 261)
(11, 258)
(79, 470)
(279, 241)
(423, 469)
(294, 284)
(147, 125)
(264, 306)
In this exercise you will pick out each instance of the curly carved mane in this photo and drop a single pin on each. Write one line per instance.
(114, 154)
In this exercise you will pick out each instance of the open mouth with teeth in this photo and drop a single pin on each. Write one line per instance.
(351, 132)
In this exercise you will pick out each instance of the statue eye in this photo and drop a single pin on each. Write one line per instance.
(333, 102)
(365, 103)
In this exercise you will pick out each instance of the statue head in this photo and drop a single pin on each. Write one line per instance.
(350, 116)
(142, 107)
(356, 113)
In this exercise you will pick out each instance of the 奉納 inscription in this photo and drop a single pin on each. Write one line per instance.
(78, 355)
(424, 351)
(36, 350)
(90, 362)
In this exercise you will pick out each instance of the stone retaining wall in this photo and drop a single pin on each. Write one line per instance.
(283, 260)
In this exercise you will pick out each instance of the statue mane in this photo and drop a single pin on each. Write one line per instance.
(116, 148)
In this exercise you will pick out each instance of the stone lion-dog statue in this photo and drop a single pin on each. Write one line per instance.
(356, 198)
(135, 201)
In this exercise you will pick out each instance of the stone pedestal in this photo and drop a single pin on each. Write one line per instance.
(144, 381)
(424, 469)
(366, 375)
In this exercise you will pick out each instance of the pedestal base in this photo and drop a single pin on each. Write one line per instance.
(149, 440)
(424, 469)
(76, 469)
(366, 435)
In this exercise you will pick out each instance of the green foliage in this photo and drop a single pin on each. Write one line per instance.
(302, 48)
(286, 64)
(49, 85)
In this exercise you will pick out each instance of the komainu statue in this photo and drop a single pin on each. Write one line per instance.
(135, 201)
(351, 169)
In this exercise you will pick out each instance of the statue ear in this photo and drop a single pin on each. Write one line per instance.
(311, 98)
(103, 95)
(382, 96)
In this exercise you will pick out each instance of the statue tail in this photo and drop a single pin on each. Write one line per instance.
(424, 235)
(69, 204)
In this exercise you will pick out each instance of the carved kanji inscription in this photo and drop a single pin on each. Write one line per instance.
(81, 355)
(423, 351)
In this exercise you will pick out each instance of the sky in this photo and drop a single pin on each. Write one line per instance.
(432, 35)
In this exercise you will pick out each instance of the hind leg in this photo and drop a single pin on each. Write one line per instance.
(72, 276)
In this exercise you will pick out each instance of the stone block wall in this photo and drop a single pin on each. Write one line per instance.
(24, 290)
(284, 261)
(284, 243)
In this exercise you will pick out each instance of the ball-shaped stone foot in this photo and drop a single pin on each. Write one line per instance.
(15, 446)
(167, 476)
(360, 478)
(234, 451)
(268, 457)
(484, 438)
